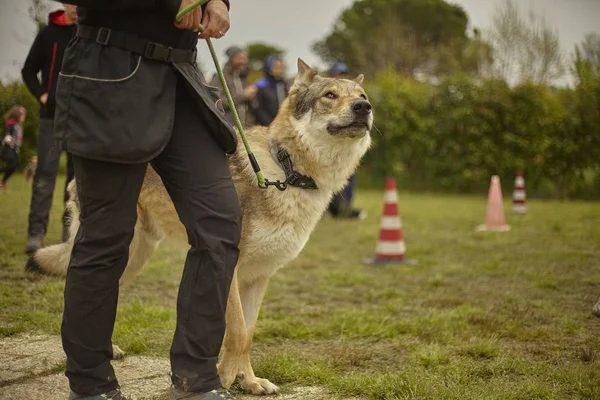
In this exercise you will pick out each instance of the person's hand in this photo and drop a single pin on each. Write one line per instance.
(192, 19)
(44, 99)
(215, 20)
(250, 92)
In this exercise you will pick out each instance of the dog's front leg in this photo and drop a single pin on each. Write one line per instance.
(237, 353)
(235, 336)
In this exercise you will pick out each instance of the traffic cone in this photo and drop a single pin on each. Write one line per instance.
(390, 246)
(519, 196)
(494, 215)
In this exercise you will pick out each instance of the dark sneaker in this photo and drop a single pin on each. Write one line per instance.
(217, 394)
(357, 214)
(112, 395)
(34, 243)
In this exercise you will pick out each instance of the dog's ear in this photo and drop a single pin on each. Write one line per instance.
(359, 79)
(305, 74)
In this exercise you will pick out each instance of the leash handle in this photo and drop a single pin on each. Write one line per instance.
(236, 118)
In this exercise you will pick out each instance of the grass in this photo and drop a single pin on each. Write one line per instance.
(483, 315)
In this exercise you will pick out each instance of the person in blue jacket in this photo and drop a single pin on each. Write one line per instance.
(272, 90)
(340, 205)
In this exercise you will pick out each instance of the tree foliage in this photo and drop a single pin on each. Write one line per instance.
(404, 35)
(524, 48)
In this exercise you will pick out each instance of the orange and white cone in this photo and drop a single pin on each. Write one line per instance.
(494, 215)
(390, 246)
(519, 196)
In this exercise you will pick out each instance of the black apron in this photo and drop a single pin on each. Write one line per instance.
(117, 106)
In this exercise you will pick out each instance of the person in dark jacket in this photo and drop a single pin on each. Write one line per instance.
(11, 142)
(45, 57)
(272, 91)
(341, 203)
(129, 94)
(236, 77)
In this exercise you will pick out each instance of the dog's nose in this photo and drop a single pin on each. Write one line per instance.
(361, 108)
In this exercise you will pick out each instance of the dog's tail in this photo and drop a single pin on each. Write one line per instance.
(54, 260)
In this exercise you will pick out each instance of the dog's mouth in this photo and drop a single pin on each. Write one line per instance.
(353, 126)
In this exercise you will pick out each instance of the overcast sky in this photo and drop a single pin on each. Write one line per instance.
(296, 24)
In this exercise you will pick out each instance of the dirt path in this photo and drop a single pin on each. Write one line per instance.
(31, 368)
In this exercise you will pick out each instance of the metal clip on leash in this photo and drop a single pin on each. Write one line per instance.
(262, 182)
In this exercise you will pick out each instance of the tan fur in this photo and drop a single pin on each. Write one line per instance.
(276, 225)
(31, 169)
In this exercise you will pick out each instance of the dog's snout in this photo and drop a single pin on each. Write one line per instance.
(361, 107)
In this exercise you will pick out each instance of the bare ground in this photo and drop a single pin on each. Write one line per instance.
(32, 368)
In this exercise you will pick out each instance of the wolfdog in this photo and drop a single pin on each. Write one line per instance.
(314, 144)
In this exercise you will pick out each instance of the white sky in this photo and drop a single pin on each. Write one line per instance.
(296, 24)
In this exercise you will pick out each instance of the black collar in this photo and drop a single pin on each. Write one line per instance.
(292, 178)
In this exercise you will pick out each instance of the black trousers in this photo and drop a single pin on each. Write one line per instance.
(44, 180)
(195, 172)
(11, 159)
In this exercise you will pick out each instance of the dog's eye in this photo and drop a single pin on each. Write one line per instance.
(363, 96)
(331, 95)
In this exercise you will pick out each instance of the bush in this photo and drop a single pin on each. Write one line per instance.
(455, 135)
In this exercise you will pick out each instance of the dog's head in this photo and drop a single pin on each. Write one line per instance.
(332, 107)
(33, 161)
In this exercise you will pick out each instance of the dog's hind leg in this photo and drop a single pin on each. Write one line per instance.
(146, 238)
(237, 343)
(596, 308)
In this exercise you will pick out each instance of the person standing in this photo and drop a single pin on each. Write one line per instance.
(130, 94)
(272, 91)
(235, 72)
(11, 142)
(45, 58)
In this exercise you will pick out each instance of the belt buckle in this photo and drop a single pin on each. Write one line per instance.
(156, 51)
(103, 32)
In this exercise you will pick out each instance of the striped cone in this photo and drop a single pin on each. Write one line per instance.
(519, 196)
(390, 246)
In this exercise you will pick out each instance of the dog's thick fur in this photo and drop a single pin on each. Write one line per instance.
(30, 170)
(325, 138)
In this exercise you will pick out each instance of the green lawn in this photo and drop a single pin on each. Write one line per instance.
(483, 315)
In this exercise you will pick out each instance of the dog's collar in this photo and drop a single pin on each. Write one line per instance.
(292, 178)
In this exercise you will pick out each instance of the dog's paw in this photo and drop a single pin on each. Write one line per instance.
(257, 386)
(118, 354)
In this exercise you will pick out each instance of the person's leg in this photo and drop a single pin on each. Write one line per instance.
(107, 195)
(65, 218)
(43, 186)
(12, 162)
(195, 172)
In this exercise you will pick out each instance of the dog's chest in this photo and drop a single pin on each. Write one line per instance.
(275, 237)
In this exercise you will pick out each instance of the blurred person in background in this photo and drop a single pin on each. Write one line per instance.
(45, 58)
(11, 142)
(272, 90)
(341, 203)
(236, 77)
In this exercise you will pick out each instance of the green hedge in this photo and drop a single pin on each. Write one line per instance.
(453, 136)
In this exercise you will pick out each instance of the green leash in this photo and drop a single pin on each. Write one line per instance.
(262, 183)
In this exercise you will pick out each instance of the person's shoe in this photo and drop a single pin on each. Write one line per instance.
(34, 243)
(217, 394)
(112, 395)
(357, 214)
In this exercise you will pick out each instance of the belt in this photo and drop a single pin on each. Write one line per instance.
(135, 44)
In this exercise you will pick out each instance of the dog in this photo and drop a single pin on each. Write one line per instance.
(324, 126)
(30, 169)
